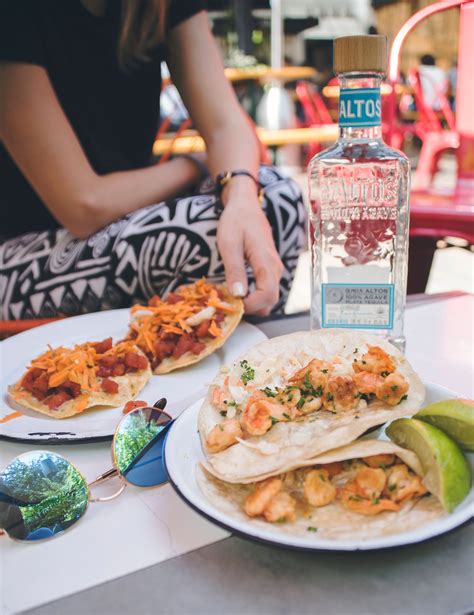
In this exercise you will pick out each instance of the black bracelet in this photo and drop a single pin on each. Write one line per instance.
(224, 178)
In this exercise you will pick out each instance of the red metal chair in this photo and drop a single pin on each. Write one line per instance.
(315, 112)
(437, 214)
(435, 138)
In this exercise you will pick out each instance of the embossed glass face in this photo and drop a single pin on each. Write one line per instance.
(138, 447)
(41, 495)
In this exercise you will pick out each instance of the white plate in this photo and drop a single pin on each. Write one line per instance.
(181, 462)
(181, 387)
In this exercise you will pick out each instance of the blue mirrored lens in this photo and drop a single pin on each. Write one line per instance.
(41, 495)
(138, 445)
(148, 468)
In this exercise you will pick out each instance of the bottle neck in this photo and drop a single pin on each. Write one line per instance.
(360, 107)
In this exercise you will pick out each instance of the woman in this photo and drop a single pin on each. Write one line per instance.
(86, 221)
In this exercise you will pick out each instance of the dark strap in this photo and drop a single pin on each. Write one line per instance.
(224, 178)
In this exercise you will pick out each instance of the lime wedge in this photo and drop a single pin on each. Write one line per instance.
(447, 474)
(453, 416)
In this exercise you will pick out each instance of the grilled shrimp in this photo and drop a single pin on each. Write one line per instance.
(340, 394)
(289, 396)
(392, 389)
(280, 508)
(367, 382)
(402, 484)
(375, 360)
(352, 499)
(223, 435)
(258, 500)
(315, 374)
(371, 481)
(311, 404)
(219, 395)
(318, 489)
(334, 468)
(379, 461)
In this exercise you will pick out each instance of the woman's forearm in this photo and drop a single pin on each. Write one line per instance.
(111, 196)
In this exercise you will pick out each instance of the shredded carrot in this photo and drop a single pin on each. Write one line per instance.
(10, 417)
(78, 364)
(214, 329)
(161, 317)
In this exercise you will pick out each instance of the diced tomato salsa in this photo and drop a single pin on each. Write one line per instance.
(133, 405)
(176, 345)
(36, 380)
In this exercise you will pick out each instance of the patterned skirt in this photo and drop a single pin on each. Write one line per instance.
(150, 251)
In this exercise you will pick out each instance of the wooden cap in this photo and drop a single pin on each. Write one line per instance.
(360, 53)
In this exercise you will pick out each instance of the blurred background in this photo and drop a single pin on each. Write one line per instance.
(278, 56)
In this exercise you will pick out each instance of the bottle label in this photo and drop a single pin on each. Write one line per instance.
(358, 306)
(360, 107)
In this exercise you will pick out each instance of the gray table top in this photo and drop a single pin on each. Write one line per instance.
(238, 576)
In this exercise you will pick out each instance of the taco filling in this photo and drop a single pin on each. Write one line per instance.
(186, 326)
(334, 385)
(80, 375)
(366, 486)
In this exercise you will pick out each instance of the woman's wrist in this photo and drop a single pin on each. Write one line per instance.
(239, 188)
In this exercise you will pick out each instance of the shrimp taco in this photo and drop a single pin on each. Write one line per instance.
(186, 326)
(366, 489)
(63, 382)
(297, 396)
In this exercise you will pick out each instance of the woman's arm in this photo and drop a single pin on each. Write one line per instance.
(40, 139)
(243, 231)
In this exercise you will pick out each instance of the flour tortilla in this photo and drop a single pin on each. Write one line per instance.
(332, 521)
(129, 386)
(287, 444)
(228, 326)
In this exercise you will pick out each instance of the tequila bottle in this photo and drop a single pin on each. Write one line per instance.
(359, 215)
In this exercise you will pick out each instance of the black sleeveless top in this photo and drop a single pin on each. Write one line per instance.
(114, 114)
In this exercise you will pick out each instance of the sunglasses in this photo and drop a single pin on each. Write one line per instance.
(43, 494)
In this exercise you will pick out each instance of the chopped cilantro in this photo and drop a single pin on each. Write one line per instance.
(322, 477)
(232, 404)
(356, 350)
(376, 501)
(268, 392)
(273, 420)
(329, 396)
(248, 372)
(394, 387)
(364, 362)
(363, 396)
(385, 374)
(301, 402)
(311, 528)
(382, 465)
(324, 371)
(223, 413)
(281, 520)
(221, 428)
(307, 382)
(355, 498)
(392, 487)
(290, 397)
(287, 416)
(403, 399)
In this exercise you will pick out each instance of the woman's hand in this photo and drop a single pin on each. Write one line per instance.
(244, 234)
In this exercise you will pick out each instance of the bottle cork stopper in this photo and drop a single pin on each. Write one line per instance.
(360, 54)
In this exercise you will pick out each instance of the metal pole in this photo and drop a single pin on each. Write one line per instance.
(276, 34)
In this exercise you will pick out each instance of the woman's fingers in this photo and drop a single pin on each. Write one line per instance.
(267, 268)
(232, 252)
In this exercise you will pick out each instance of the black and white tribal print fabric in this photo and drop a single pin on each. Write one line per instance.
(148, 252)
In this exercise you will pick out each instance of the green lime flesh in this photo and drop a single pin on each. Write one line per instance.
(447, 474)
(453, 416)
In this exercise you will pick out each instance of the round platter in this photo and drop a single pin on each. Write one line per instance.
(181, 462)
(181, 387)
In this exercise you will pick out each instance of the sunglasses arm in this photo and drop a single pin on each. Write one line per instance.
(105, 476)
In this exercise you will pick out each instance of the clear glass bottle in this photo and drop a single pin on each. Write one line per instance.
(359, 215)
